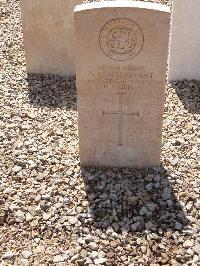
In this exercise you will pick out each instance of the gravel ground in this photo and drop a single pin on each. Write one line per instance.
(53, 212)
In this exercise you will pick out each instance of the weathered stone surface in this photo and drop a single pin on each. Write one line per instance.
(48, 29)
(184, 60)
(109, 193)
(121, 72)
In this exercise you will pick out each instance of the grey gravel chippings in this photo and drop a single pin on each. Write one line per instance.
(53, 212)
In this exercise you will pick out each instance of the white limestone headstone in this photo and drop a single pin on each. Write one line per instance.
(48, 32)
(184, 60)
(121, 60)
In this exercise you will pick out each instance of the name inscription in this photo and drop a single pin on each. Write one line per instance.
(128, 77)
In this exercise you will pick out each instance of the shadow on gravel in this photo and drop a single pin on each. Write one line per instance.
(189, 94)
(132, 200)
(52, 91)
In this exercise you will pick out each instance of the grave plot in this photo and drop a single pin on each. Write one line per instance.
(55, 212)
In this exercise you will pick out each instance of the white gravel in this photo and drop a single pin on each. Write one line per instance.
(52, 212)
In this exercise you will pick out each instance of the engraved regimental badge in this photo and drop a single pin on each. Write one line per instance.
(121, 39)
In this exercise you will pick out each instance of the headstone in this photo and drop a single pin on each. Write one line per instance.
(48, 31)
(184, 60)
(121, 60)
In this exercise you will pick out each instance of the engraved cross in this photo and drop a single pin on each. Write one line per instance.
(120, 114)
